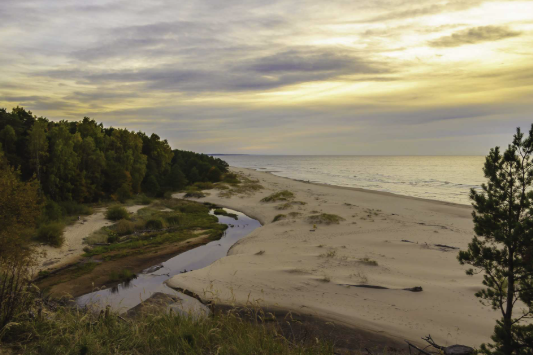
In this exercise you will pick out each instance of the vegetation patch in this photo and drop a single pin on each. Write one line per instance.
(279, 217)
(194, 194)
(368, 261)
(325, 218)
(284, 195)
(294, 214)
(246, 186)
(51, 234)
(223, 212)
(69, 331)
(121, 276)
(116, 213)
(288, 205)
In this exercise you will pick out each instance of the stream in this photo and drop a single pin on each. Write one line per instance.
(127, 295)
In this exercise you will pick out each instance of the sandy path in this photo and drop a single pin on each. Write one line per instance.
(74, 236)
(294, 269)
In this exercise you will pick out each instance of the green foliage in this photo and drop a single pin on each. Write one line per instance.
(325, 218)
(85, 162)
(284, 195)
(503, 245)
(124, 227)
(51, 234)
(155, 224)
(204, 185)
(72, 208)
(76, 332)
(116, 213)
(122, 275)
(194, 194)
(52, 211)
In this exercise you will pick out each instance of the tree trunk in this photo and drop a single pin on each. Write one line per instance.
(508, 316)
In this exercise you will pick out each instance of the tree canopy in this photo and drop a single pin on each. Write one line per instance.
(83, 161)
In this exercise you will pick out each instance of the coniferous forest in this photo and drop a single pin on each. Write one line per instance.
(84, 162)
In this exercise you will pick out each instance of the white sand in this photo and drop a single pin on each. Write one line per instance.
(74, 236)
(291, 271)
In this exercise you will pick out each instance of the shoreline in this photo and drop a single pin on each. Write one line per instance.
(292, 272)
(360, 189)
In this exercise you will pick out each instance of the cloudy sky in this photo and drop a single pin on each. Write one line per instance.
(278, 77)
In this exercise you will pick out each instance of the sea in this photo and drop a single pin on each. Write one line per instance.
(443, 178)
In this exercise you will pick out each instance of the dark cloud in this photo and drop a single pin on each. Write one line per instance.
(475, 35)
(261, 73)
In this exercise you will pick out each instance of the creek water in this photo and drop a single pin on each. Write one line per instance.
(151, 280)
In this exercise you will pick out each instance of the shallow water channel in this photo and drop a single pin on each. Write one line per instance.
(129, 294)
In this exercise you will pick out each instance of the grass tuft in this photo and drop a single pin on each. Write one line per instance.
(284, 195)
(116, 213)
(325, 218)
(51, 234)
(368, 261)
(279, 217)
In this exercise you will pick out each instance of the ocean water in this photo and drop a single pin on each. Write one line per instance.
(444, 178)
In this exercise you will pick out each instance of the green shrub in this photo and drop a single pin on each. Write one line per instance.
(124, 227)
(51, 234)
(52, 211)
(112, 237)
(284, 195)
(116, 213)
(155, 223)
(279, 217)
(72, 208)
(124, 193)
(144, 200)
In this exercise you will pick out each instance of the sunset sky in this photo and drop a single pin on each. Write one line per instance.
(278, 77)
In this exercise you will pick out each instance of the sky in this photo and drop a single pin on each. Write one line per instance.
(385, 77)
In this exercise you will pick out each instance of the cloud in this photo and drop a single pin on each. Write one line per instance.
(475, 35)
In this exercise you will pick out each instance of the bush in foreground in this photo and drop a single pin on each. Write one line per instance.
(51, 234)
(116, 213)
(76, 332)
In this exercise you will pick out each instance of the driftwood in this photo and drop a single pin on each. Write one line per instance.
(445, 246)
(412, 289)
(450, 350)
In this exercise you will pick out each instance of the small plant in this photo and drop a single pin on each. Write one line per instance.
(116, 213)
(294, 214)
(112, 237)
(260, 252)
(231, 178)
(284, 206)
(279, 217)
(325, 218)
(123, 275)
(204, 185)
(284, 195)
(51, 234)
(155, 224)
(368, 261)
(124, 227)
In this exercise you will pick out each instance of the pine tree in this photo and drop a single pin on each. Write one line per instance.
(503, 246)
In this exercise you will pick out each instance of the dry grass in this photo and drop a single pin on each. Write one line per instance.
(368, 261)
(279, 217)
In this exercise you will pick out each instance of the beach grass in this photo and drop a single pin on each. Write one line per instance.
(325, 218)
(70, 331)
(284, 195)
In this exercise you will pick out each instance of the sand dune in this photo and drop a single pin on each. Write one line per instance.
(74, 236)
(302, 269)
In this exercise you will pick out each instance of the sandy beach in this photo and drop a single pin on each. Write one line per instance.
(291, 265)
(72, 249)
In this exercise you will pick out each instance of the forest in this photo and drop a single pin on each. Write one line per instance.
(77, 162)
